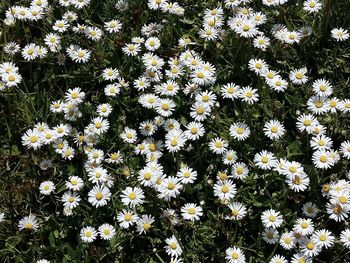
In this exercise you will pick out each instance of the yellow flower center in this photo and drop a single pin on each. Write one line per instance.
(132, 196)
(249, 94)
(264, 159)
(231, 90)
(99, 196)
(200, 110)
(191, 210)
(153, 147)
(28, 226)
(146, 226)
(323, 158)
(33, 139)
(318, 104)
(246, 28)
(71, 199)
(225, 189)
(81, 54)
(74, 95)
(332, 103)
(274, 129)
(292, 169)
(234, 255)
(239, 170)
(304, 225)
(218, 144)
(307, 122)
(234, 212)
(299, 75)
(272, 218)
(194, 130)
(171, 186)
(200, 75)
(165, 106)
(310, 246)
(127, 217)
(223, 176)
(343, 199)
(173, 245)
(205, 98)
(270, 75)
(147, 176)
(288, 240)
(323, 237)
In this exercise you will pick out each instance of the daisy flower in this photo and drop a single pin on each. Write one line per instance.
(60, 26)
(229, 157)
(322, 87)
(74, 183)
(144, 223)
(113, 26)
(265, 160)
(191, 211)
(225, 190)
(218, 145)
(32, 139)
(274, 129)
(270, 235)
(187, 175)
(99, 196)
(173, 247)
(129, 135)
(340, 34)
(249, 95)
(238, 211)
(271, 218)
(261, 42)
(345, 238)
(322, 159)
(323, 238)
(235, 255)
(345, 149)
(28, 223)
(70, 199)
(287, 241)
(132, 196)
(298, 76)
(240, 170)
(310, 210)
(88, 234)
(310, 248)
(106, 231)
(230, 91)
(200, 111)
(169, 188)
(47, 187)
(194, 131)
(298, 183)
(304, 226)
(239, 131)
(258, 66)
(126, 218)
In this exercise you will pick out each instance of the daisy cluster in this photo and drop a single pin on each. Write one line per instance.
(141, 168)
